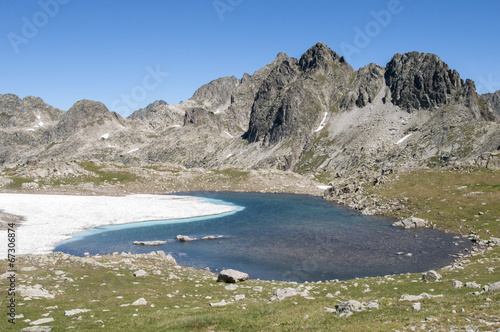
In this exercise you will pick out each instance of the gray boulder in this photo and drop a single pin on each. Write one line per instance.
(493, 287)
(231, 276)
(349, 306)
(140, 273)
(282, 293)
(431, 275)
(411, 222)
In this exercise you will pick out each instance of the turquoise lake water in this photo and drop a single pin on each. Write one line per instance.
(282, 237)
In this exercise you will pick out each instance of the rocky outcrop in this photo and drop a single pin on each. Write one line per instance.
(30, 112)
(84, 113)
(494, 101)
(159, 115)
(216, 95)
(367, 84)
(421, 81)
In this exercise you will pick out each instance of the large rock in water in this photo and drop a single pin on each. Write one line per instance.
(411, 222)
(232, 276)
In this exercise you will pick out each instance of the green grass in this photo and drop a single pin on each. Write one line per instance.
(108, 175)
(453, 200)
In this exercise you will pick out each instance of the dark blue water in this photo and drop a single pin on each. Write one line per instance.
(282, 237)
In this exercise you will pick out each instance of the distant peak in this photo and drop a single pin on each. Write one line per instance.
(282, 56)
(320, 55)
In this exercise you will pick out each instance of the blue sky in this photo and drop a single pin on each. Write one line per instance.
(128, 54)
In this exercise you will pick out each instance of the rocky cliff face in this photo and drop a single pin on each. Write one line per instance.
(421, 81)
(315, 114)
(494, 102)
(82, 114)
(28, 112)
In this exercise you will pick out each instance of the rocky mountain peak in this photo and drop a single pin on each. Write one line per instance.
(82, 114)
(318, 56)
(217, 93)
(421, 80)
(15, 111)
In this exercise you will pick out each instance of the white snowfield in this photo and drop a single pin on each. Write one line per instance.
(51, 219)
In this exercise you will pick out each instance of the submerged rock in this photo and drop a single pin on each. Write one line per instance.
(149, 243)
(184, 238)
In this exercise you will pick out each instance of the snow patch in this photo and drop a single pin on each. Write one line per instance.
(175, 126)
(324, 187)
(322, 124)
(229, 155)
(228, 134)
(133, 150)
(37, 116)
(105, 136)
(51, 219)
(41, 124)
(403, 139)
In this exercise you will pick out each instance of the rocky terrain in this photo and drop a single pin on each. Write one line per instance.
(314, 115)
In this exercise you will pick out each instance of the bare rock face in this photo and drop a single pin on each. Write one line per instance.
(197, 116)
(27, 112)
(159, 115)
(494, 100)
(82, 114)
(369, 81)
(216, 95)
(421, 80)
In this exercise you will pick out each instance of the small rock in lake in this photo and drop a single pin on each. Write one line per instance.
(411, 222)
(184, 238)
(149, 243)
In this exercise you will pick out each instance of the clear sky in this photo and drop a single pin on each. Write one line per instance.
(128, 54)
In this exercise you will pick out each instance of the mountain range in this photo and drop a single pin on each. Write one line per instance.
(306, 115)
